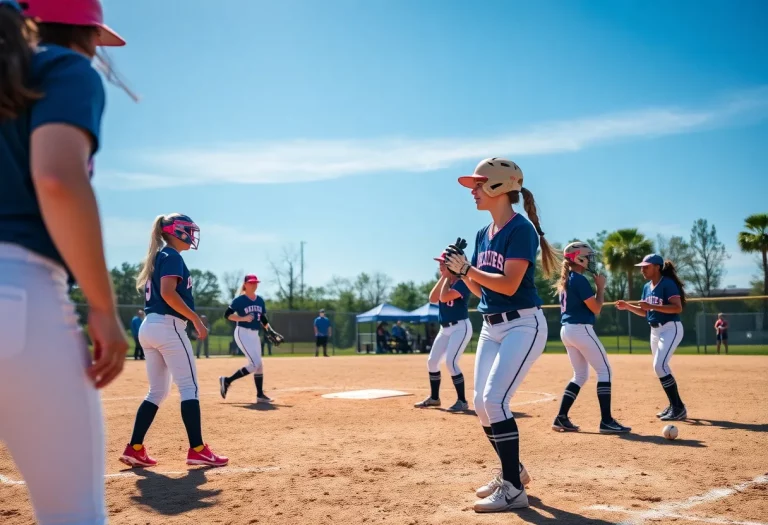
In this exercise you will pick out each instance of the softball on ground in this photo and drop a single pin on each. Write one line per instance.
(669, 432)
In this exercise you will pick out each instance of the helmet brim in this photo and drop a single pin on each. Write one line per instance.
(108, 37)
(470, 181)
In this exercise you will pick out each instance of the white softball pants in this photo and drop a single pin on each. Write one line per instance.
(584, 350)
(664, 341)
(50, 414)
(449, 345)
(505, 353)
(168, 354)
(249, 342)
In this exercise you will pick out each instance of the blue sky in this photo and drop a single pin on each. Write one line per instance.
(346, 123)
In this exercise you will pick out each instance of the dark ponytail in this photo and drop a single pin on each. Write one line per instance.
(548, 256)
(17, 41)
(668, 270)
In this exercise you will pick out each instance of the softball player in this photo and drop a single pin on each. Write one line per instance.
(51, 106)
(662, 302)
(451, 294)
(578, 307)
(249, 312)
(167, 286)
(514, 331)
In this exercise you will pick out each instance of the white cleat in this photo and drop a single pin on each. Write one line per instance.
(429, 402)
(263, 399)
(506, 497)
(491, 486)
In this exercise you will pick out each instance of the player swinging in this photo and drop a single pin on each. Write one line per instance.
(578, 307)
(514, 329)
(249, 312)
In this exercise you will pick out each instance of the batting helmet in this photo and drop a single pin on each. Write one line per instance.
(72, 12)
(183, 228)
(582, 254)
(499, 176)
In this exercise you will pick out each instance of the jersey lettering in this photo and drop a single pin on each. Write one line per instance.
(492, 259)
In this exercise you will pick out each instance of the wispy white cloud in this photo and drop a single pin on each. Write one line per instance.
(653, 229)
(304, 160)
(135, 233)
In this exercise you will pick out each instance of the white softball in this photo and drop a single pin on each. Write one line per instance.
(669, 432)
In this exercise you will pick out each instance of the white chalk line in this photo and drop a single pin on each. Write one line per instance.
(672, 509)
(224, 471)
(546, 396)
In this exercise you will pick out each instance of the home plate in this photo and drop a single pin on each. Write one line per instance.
(366, 394)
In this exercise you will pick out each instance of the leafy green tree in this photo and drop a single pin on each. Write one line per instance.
(622, 250)
(755, 240)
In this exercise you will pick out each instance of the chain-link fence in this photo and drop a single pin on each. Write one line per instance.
(618, 331)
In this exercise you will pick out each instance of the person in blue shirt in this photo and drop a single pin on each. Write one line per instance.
(514, 333)
(323, 331)
(138, 352)
(169, 304)
(451, 296)
(662, 303)
(51, 107)
(249, 312)
(579, 305)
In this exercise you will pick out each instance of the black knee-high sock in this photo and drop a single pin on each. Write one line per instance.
(458, 382)
(508, 445)
(144, 417)
(489, 435)
(259, 380)
(569, 396)
(670, 387)
(434, 384)
(604, 398)
(190, 415)
(237, 375)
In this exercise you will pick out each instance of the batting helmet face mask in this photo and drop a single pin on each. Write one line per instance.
(75, 13)
(582, 254)
(183, 228)
(498, 176)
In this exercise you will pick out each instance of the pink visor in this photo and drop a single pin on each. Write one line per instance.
(251, 279)
(441, 257)
(470, 181)
(76, 13)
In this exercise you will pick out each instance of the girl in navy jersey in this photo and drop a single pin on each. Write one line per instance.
(662, 303)
(167, 285)
(51, 106)
(578, 307)
(451, 295)
(250, 313)
(514, 331)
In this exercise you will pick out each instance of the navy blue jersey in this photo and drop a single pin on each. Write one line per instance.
(73, 94)
(322, 324)
(664, 290)
(457, 309)
(168, 263)
(515, 240)
(244, 305)
(573, 310)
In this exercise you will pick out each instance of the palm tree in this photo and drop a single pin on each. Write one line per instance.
(622, 250)
(756, 241)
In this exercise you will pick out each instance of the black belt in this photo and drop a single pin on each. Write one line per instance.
(503, 317)
(656, 325)
(449, 323)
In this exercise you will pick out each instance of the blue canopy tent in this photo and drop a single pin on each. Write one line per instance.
(383, 312)
(426, 313)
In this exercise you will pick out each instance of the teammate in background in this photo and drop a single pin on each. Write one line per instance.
(138, 352)
(451, 295)
(514, 329)
(249, 312)
(202, 343)
(323, 331)
(662, 302)
(169, 303)
(578, 307)
(721, 331)
(51, 106)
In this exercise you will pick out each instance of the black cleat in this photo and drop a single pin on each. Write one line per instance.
(563, 424)
(676, 414)
(223, 387)
(613, 427)
(664, 412)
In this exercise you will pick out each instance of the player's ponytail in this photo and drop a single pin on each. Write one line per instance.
(17, 41)
(562, 283)
(155, 245)
(668, 270)
(548, 255)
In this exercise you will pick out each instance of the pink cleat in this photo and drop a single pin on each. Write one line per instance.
(206, 457)
(134, 458)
